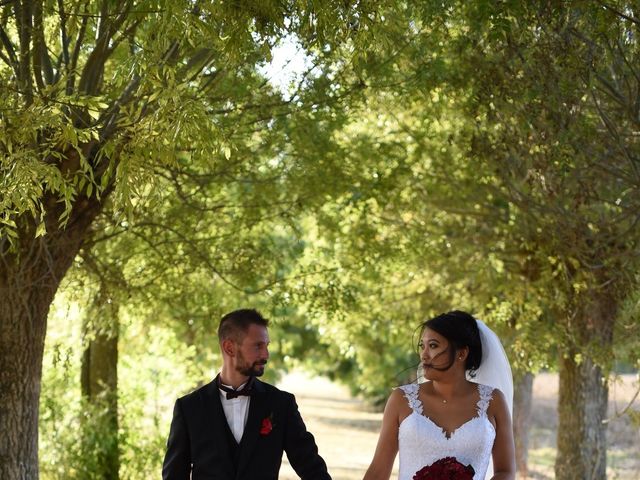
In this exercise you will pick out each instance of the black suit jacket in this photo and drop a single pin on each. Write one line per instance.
(199, 439)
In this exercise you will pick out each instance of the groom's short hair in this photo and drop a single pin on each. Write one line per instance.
(235, 324)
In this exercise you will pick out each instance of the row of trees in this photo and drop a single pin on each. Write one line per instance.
(511, 167)
(460, 153)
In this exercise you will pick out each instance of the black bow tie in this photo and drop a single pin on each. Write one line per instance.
(231, 393)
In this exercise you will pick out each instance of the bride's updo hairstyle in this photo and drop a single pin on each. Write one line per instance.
(461, 330)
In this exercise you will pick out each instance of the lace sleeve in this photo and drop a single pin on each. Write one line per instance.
(486, 394)
(411, 394)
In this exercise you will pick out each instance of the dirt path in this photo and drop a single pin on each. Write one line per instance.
(346, 430)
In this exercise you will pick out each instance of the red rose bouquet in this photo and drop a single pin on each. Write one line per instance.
(447, 468)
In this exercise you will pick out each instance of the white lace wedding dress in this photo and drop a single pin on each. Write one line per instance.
(421, 442)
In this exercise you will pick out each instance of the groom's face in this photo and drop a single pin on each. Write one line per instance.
(253, 351)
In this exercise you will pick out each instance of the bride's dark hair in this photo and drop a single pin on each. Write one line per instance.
(461, 330)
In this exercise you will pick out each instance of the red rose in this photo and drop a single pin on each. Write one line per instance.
(447, 468)
(266, 426)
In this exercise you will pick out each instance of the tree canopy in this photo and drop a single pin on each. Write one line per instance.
(430, 156)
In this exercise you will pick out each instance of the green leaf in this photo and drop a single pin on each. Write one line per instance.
(41, 229)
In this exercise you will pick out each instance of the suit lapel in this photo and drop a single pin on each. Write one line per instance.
(218, 424)
(259, 406)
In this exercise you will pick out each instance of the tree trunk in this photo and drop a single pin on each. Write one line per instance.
(28, 282)
(99, 384)
(29, 279)
(583, 396)
(582, 444)
(23, 323)
(523, 394)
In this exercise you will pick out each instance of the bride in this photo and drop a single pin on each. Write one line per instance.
(460, 418)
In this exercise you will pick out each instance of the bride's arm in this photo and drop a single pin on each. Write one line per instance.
(387, 448)
(504, 457)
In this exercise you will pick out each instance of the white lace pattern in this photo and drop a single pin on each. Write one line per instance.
(421, 441)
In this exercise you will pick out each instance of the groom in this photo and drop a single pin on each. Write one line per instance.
(236, 427)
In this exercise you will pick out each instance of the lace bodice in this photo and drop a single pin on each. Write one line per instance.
(421, 442)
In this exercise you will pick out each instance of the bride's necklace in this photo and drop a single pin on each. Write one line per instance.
(440, 397)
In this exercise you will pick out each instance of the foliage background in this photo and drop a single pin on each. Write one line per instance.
(482, 155)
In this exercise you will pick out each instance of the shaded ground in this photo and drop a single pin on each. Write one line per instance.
(346, 430)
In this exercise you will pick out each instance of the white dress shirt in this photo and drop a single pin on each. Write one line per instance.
(236, 410)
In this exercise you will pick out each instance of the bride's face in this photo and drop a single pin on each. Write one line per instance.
(436, 353)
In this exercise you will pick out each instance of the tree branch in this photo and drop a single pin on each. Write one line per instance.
(629, 65)
(619, 13)
(71, 80)
(125, 33)
(64, 40)
(616, 136)
(113, 14)
(41, 61)
(23, 22)
(11, 52)
(94, 68)
(113, 112)
(5, 59)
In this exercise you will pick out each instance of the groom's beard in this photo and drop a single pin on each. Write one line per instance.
(256, 369)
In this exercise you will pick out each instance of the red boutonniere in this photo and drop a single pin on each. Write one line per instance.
(444, 469)
(266, 426)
